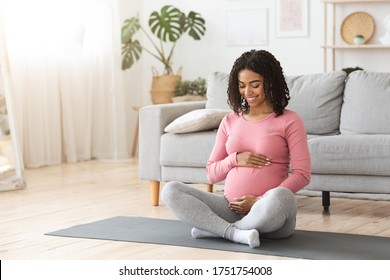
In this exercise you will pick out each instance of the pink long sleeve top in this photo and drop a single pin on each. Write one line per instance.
(282, 139)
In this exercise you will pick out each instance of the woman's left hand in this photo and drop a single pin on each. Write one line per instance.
(242, 205)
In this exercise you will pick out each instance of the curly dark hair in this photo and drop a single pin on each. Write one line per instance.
(275, 87)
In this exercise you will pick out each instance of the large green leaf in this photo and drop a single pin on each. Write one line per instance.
(167, 25)
(131, 52)
(129, 28)
(195, 25)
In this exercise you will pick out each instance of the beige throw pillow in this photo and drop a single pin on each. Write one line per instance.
(197, 120)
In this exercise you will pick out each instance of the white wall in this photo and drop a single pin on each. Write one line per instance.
(199, 58)
(302, 55)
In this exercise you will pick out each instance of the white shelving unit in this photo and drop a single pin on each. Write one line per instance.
(330, 43)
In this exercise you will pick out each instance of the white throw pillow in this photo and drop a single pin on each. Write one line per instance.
(197, 120)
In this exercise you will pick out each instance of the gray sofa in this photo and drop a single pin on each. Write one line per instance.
(347, 121)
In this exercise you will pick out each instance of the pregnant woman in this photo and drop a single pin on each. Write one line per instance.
(255, 147)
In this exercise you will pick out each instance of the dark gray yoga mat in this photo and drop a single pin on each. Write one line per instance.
(303, 244)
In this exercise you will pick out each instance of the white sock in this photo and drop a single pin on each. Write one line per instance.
(250, 237)
(198, 233)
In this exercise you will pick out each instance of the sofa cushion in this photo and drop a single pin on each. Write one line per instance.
(186, 150)
(350, 154)
(317, 98)
(197, 120)
(217, 84)
(366, 97)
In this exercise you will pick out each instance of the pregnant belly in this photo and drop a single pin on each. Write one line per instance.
(242, 181)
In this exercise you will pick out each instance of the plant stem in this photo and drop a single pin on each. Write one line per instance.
(170, 55)
(161, 57)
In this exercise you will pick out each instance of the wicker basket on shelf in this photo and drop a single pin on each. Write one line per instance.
(357, 23)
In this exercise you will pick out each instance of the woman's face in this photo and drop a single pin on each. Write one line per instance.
(250, 85)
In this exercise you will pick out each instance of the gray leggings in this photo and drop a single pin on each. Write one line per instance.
(274, 215)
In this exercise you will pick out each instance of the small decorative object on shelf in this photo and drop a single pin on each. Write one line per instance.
(385, 40)
(358, 40)
(355, 24)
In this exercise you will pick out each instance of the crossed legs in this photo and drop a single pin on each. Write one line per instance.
(272, 216)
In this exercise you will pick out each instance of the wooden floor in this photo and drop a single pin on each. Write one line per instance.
(61, 196)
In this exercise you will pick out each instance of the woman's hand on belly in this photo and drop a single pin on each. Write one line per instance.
(242, 205)
(249, 159)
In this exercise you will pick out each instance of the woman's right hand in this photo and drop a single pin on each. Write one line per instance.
(249, 159)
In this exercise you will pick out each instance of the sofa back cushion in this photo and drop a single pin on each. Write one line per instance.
(317, 98)
(366, 99)
(217, 84)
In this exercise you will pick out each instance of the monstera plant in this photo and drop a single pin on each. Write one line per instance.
(168, 26)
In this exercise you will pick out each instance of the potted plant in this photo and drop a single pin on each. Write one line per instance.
(359, 39)
(190, 90)
(349, 70)
(168, 26)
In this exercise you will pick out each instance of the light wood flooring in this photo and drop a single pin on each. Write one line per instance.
(65, 195)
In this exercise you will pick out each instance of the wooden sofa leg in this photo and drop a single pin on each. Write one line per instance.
(326, 201)
(155, 191)
(210, 187)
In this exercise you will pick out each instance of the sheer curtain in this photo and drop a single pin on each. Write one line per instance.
(65, 62)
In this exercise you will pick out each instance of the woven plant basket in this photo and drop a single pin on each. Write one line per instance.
(163, 87)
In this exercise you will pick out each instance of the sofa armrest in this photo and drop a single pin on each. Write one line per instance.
(152, 121)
